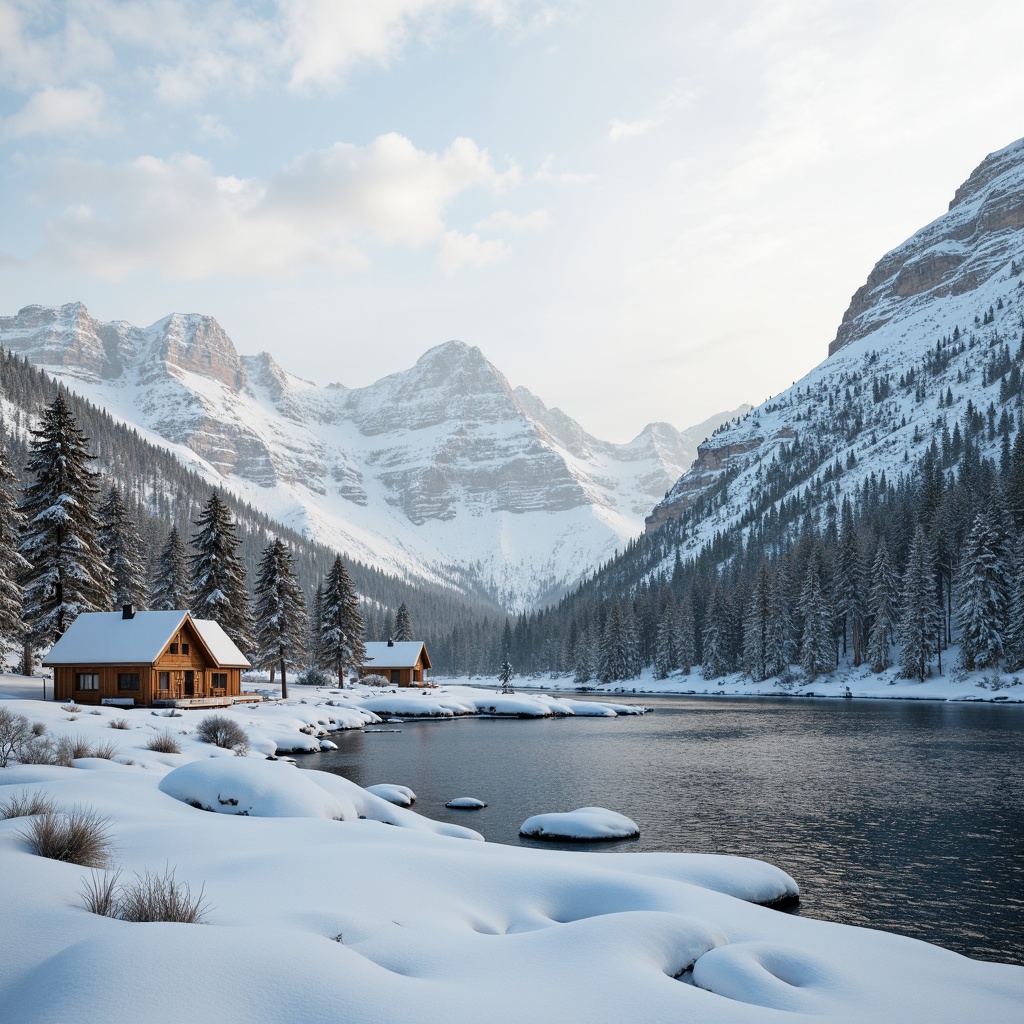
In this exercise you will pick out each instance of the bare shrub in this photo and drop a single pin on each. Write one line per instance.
(25, 805)
(153, 897)
(119, 723)
(71, 707)
(78, 836)
(164, 743)
(99, 893)
(107, 749)
(38, 728)
(375, 680)
(224, 732)
(14, 734)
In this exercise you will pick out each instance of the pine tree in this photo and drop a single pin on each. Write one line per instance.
(340, 644)
(280, 613)
(12, 566)
(218, 574)
(686, 635)
(583, 662)
(68, 575)
(666, 658)
(402, 629)
(920, 617)
(983, 595)
(315, 625)
(171, 586)
(505, 674)
(885, 588)
(755, 624)
(118, 539)
(816, 648)
(613, 659)
(716, 627)
(780, 634)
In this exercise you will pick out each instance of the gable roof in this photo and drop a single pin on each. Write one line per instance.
(401, 654)
(107, 638)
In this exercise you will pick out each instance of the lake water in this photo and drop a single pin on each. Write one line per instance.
(907, 816)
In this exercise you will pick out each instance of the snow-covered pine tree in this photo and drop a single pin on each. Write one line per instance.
(780, 643)
(1015, 628)
(218, 574)
(12, 566)
(315, 626)
(583, 656)
(686, 634)
(755, 624)
(613, 656)
(666, 658)
(884, 597)
(340, 645)
(280, 613)
(816, 644)
(68, 575)
(118, 539)
(402, 629)
(505, 674)
(716, 628)
(171, 584)
(920, 616)
(851, 587)
(982, 588)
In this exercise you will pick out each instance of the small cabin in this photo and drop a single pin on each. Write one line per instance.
(402, 662)
(144, 659)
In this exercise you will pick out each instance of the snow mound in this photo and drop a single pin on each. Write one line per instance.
(585, 824)
(401, 796)
(466, 803)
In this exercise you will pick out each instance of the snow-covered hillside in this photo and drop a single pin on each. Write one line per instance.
(442, 471)
(935, 331)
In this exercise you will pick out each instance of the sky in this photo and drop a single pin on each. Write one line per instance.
(639, 211)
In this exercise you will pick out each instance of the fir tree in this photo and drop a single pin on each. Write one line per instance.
(340, 644)
(920, 617)
(402, 629)
(755, 624)
(12, 566)
(68, 575)
(613, 660)
(716, 626)
(666, 657)
(171, 585)
(983, 595)
(885, 588)
(280, 613)
(505, 674)
(583, 661)
(686, 635)
(122, 550)
(816, 647)
(779, 639)
(218, 574)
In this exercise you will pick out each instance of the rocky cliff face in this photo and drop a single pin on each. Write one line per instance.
(908, 357)
(953, 255)
(442, 470)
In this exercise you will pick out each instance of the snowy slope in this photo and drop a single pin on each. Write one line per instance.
(442, 471)
(940, 306)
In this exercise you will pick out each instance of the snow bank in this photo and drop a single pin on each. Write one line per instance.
(402, 796)
(465, 803)
(585, 824)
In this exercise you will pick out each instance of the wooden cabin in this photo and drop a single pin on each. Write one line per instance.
(142, 659)
(401, 662)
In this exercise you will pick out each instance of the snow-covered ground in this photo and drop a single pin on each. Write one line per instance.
(318, 911)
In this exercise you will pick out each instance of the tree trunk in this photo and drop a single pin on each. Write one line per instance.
(284, 682)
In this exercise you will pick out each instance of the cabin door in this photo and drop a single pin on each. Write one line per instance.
(190, 683)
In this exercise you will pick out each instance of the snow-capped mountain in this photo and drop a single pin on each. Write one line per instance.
(938, 325)
(442, 471)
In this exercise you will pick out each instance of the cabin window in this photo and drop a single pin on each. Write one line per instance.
(396, 676)
(87, 680)
(184, 648)
(164, 680)
(127, 680)
(174, 648)
(219, 680)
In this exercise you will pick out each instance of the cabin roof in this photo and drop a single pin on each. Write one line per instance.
(107, 638)
(401, 654)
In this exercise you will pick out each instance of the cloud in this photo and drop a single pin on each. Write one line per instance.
(59, 111)
(630, 129)
(209, 126)
(458, 251)
(178, 217)
(506, 220)
(546, 174)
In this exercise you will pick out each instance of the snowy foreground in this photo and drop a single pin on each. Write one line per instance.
(330, 903)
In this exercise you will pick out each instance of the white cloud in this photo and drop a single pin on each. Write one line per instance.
(506, 220)
(177, 216)
(458, 251)
(630, 129)
(57, 111)
(546, 173)
(209, 126)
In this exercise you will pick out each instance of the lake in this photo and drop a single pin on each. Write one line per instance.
(902, 815)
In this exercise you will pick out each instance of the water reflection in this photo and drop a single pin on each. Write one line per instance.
(890, 814)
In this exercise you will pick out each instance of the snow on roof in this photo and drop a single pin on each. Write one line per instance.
(401, 654)
(222, 647)
(107, 638)
(98, 638)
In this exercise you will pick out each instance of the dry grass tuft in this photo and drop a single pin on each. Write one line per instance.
(153, 897)
(99, 893)
(78, 836)
(26, 805)
(119, 723)
(164, 743)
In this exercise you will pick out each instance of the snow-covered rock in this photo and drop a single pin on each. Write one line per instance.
(585, 824)
(466, 803)
(400, 796)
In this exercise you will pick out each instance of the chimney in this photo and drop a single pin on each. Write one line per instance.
(127, 611)
(391, 643)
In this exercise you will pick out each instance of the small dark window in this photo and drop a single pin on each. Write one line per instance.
(164, 680)
(127, 680)
(174, 648)
(184, 648)
(396, 676)
(87, 681)
(219, 680)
